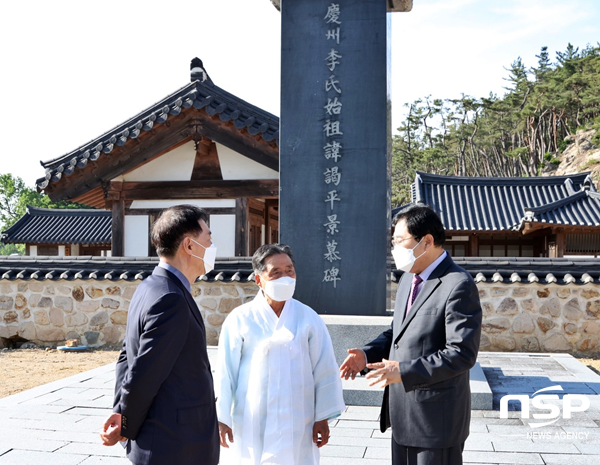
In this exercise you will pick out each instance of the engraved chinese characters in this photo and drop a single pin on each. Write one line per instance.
(332, 149)
(334, 152)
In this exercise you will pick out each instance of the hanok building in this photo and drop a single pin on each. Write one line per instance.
(62, 232)
(200, 145)
(552, 216)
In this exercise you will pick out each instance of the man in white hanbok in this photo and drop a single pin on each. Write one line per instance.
(277, 378)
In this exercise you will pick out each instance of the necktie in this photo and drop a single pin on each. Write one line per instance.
(414, 290)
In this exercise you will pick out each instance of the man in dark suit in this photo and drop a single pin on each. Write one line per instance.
(424, 359)
(164, 406)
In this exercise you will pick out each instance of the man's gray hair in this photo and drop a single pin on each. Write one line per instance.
(266, 251)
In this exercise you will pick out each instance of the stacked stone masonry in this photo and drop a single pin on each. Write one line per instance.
(541, 318)
(521, 317)
(516, 317)
(48, 313)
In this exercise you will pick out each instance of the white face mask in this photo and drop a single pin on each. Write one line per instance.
(210, 253)
(405, 258)
(281, 289)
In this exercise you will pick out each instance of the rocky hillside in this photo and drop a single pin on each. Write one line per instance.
(580, 155)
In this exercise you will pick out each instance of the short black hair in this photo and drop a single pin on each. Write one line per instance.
(173, 224)
(420, 221)
(266, 251)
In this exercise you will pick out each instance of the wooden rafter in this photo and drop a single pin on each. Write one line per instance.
(233, 189)
(93, 198)
(157, 211)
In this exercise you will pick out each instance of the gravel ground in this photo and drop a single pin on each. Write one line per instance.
(23, 369)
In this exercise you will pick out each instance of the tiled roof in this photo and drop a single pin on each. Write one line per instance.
(496, 204)
(197, 94)
(492, 270)
(580, 209)
(509, 270)
(60, 226)
(109, 268)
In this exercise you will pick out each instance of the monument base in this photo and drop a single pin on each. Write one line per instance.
(348, 331)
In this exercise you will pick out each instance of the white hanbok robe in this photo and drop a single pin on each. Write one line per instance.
(275, 378)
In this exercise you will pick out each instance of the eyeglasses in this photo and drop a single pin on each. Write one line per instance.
(398, 241)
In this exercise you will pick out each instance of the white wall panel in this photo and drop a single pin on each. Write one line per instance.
(236, 166)
(202, 203)
(136, 235)
(74, 250)
(176, 165)
(222, 228)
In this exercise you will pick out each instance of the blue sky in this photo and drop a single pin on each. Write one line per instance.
(73, 69)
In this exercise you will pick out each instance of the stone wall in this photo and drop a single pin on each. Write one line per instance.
(517, 317)
(49, 312)
(541, 318)
(521, 317)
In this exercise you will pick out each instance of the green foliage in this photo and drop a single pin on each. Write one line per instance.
(521, 153)
(513, 135)
(596, 138)
(562, 145)
(11, 249)
(549, 157)
(11, 189)
(540, 168)
(14, 198)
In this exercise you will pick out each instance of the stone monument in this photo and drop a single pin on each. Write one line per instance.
(335, 152)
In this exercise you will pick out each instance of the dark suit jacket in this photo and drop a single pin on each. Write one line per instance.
(164, 387)
(436, 345)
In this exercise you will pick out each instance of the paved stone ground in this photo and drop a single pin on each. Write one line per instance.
(58, 423)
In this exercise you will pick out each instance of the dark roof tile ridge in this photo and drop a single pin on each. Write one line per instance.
(17, 225)
(52, 163)
(501, 181)
(557, 204)
(588, 182)
(107, 268)
(235, 101)
(593, 195)
(569, 186)
(109, 260)
(67, 211)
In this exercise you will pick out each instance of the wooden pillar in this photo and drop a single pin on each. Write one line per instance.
(473, 246)
(268, 204)
(241, 227)
(115, 202)
(266, 221)
(561, 242)
(118, 230)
